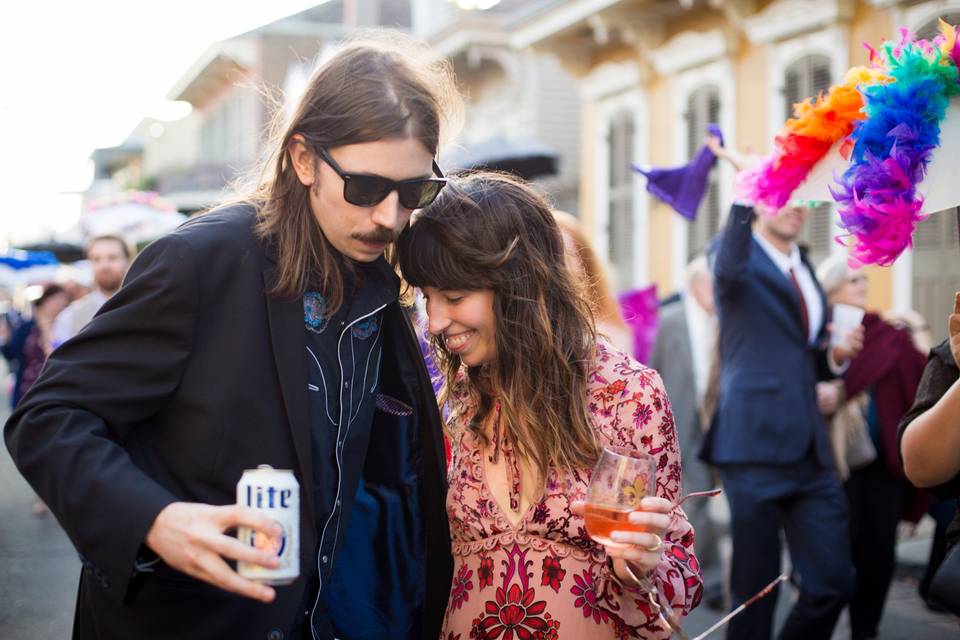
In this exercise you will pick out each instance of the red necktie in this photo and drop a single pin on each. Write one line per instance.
(804, 317)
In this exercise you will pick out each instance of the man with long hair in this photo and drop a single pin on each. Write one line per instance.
(267, 331)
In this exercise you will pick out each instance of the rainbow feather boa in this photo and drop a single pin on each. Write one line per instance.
(877, 194)
(889, 115)
(805, 140)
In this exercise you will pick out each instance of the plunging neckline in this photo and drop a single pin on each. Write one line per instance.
(499, 441)
(501, 513)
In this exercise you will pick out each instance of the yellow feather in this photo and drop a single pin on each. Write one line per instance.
(949, 34)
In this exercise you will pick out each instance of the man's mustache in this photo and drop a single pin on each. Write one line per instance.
(381, 235)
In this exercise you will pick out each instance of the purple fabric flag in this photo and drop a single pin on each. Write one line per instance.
(641, 309)
(683, 187)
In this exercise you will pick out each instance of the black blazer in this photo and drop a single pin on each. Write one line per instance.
(187, 376)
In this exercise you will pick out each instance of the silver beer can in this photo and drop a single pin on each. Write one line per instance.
(276, 492)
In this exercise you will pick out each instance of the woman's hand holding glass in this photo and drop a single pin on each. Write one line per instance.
(637, 540)
(641, 547)
(623, 515)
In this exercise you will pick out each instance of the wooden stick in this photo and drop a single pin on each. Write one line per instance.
(724, 620)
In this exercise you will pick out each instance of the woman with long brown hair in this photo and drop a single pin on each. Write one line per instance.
(534, 397)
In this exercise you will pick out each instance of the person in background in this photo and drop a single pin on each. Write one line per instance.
(874, 394)
(29, 346)
(32, 341)
(584, 262)
(534, 396)
(929, 436)
(683, 352)
(109, 257)
(767, 437)
(74, 288)
(916, 324)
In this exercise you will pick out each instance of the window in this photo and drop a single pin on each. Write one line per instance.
(703, 108)
(936, 270)
(620, 223)
(807, 78)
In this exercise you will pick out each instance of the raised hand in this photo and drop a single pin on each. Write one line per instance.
(828, 398)
(953, 326)
(713, 143)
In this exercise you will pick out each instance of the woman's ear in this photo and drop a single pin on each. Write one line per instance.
(303, 159)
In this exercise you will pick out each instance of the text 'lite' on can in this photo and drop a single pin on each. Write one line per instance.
(277, 493)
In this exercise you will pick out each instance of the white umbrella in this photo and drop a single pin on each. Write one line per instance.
(136, 218)
(128, 220)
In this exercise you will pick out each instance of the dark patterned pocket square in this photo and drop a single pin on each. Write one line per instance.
(391, 405)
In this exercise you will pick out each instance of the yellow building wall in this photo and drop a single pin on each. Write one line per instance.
(869, 24)
(880, 289)
(703, 19)
(750, 69)
(660, 227)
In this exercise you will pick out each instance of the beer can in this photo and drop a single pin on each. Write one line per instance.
(276, 492)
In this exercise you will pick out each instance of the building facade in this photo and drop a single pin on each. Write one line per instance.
(519, 98)
(652, 73)
(234, 89)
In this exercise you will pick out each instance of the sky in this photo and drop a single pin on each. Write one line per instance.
(76, 75)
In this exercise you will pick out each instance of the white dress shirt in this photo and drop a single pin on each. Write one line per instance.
(808, 286)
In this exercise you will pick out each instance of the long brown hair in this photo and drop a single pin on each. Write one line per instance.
(491, 231)
(379, 85)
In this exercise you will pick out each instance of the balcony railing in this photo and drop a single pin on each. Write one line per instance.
(200, 177)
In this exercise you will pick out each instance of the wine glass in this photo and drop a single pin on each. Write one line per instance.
(620, 481)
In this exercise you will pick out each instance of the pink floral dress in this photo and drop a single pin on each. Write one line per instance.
(545, 577)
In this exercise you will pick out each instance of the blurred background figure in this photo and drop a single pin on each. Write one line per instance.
(109, 257)
(74, 288)
(30, 344)
(865, 406)
(683, 354)
(583, 261)
(767, 437)
(915, 323)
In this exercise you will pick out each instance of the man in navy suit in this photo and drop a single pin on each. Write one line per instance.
(767, 437)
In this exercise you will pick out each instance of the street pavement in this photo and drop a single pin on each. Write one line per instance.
(39, 570)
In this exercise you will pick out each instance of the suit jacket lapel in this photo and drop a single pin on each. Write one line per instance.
(287, 337)
(783, 288)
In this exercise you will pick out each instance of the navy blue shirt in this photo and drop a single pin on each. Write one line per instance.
(343, 371)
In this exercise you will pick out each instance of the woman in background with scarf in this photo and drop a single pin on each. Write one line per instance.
(876, 391)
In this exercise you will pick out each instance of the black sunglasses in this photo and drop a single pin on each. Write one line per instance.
(367, 190)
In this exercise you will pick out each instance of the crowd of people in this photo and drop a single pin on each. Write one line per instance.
(274, 330)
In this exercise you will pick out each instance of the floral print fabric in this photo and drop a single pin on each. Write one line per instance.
(544, 577)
